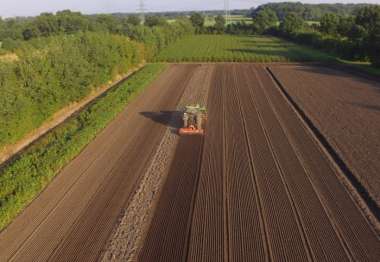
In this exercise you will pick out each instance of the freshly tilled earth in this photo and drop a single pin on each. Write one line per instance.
(125, 240)
(345, 108)
(263, 190)
(259, 186)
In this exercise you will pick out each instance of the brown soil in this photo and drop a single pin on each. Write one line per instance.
(259, 187)
(346, 110)
(266, 190)
(135, 220)
(167, 236)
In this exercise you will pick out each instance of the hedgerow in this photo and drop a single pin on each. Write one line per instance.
(27, 175)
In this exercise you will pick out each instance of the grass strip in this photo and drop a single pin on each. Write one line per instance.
(27, 175)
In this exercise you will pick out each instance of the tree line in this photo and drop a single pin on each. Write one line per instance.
(156, 33)
(310, 12)
(350, 31)
(355, 37)
(56, 71)
(62, 57)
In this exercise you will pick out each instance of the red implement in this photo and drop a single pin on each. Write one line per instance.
(190, 131)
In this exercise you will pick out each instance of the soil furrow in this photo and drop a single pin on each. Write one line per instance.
(261, 185)
(88, 168)
(167, 235)
(106, 206)
(324, 242)
(345, 108)
(207, 232)
(277, 207)
(358, 234)
(246, 235)
(58, 226)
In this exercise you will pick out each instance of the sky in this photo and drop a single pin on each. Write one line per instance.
(10, 8)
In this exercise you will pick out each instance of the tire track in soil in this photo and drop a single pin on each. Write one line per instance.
(206, 242)
(325, 243)
(168, 234)
(357, 235)
(278, 207)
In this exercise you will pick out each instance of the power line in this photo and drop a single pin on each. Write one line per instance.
(142, 11)
(227, 11)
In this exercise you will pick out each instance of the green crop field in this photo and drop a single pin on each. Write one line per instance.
(229, 48)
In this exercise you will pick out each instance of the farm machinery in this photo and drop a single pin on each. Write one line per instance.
(194, 118)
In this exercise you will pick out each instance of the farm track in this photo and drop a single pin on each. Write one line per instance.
(73, 217)
(267, 191)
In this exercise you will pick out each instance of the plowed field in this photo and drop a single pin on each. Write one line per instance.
(259, 186)
(266, 190)
(346, 109)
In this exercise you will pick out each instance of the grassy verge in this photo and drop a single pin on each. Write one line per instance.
(230, 48)
(363, 67)
(23, 179)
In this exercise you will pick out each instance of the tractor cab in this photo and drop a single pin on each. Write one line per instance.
(194, 118)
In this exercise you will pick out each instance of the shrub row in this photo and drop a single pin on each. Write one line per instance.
(26, 176)
(157, 38)
(54, 72)
(335, 45)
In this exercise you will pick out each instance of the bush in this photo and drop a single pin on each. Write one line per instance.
(54, 72)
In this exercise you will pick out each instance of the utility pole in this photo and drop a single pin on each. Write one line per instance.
(142, 11)
(227, 11)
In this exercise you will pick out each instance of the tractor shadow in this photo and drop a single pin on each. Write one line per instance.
(171, 119)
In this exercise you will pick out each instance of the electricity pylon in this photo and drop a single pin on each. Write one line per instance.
(142, 11)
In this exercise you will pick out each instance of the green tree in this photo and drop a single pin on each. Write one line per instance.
(368, 17)
(264, 20)
(345, 25)
(133, 20)
(292, 23)
(30, 32)
(374, 46)
(329, 24)
(155, 21)
(220, 24)
(46, 24)
(198, 22)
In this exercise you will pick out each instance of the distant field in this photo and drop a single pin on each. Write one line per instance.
(228, 48)
(210, 20)
(241, 18)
